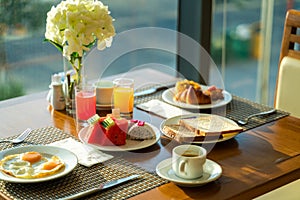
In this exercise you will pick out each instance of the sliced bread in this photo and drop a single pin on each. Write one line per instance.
(182, 134)
(209, 125)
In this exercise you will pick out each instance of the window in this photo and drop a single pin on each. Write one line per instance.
(27, 63)
(236, 45)
(236, 28)
(230, 30)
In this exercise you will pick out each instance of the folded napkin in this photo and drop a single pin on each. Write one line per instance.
(162, 109)
(86, 155)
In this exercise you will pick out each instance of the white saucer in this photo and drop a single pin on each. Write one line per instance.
(211, 172)
(104, 105)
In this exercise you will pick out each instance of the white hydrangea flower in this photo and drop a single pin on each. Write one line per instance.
(75, 25)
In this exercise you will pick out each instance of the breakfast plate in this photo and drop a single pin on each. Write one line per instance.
(225, 136)
(211, 172)
(130, 145)
(69, 159)
(168, 94)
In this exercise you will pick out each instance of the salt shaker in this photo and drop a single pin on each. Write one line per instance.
(58, 97)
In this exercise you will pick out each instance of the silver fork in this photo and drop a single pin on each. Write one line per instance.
(20, 138)
(245, 121)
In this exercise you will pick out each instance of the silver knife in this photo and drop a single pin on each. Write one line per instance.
(102, 186)
(153, 90)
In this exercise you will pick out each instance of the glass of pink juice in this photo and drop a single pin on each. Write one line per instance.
(85, 103)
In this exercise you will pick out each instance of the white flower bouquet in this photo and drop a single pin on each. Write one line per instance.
(74, 26)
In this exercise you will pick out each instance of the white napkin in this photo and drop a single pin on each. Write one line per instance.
(86, 155)
(162, 109)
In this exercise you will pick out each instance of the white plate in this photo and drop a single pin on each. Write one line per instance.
(68, 157)
(175, 120)
(129, 146)
(211, 172)
(168, 95)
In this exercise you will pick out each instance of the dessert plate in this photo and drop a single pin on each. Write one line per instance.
(67, 156)
(175, 120)
(168, 94)
(211, 172)
(129, 146)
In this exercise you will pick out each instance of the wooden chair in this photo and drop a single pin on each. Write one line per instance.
(291, 36)
(287, 93)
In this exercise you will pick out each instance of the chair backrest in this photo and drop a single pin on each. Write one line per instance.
(288, 86)
(291, 36)
(287, 95)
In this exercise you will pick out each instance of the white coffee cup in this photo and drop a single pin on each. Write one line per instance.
(188, 161)
(104, 92)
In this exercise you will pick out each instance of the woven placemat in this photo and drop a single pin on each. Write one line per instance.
(81, 178)
(155, 95)
(238, 108)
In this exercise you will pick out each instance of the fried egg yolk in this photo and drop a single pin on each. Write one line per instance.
(32, 157)
(30, 165)
(51, 164)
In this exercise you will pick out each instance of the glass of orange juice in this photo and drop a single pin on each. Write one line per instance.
(123, 96)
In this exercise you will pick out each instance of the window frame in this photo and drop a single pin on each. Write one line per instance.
(194, 16)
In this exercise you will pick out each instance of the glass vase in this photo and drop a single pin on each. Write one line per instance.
(73, 78)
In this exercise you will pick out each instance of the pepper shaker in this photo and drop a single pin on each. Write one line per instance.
(58, 97)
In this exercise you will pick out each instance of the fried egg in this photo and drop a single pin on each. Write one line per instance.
(30, 165)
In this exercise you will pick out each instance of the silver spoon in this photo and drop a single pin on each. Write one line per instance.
(20, 138)
(245, 121)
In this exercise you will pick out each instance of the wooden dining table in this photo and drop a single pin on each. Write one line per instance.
(248, 160)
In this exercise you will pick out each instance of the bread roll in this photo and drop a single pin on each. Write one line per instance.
(191, 92)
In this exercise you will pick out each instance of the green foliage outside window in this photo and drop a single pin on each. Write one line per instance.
(10, 89)
(18, 18)
(16, 14)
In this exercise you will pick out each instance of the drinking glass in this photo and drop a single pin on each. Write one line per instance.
(85, 100)
(123, 96)
(104, 93)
